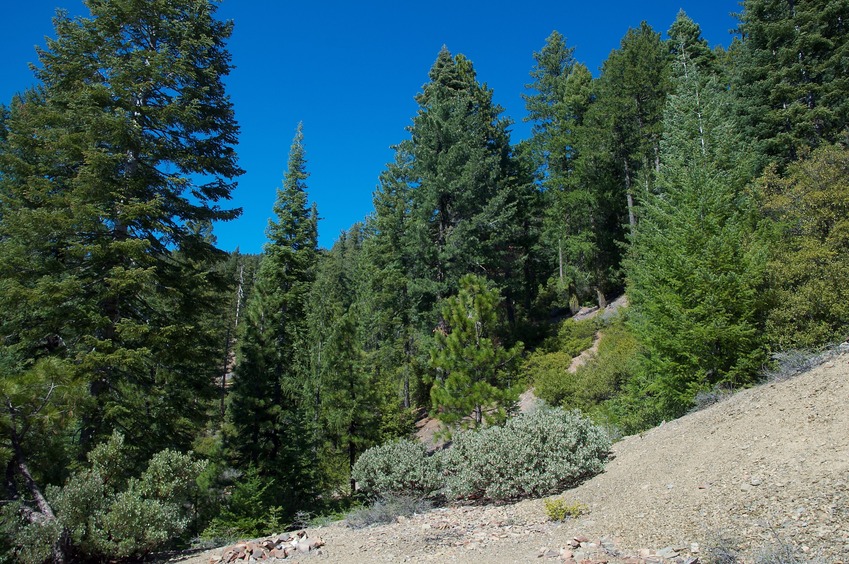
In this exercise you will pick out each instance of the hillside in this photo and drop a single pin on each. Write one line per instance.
(768, 467)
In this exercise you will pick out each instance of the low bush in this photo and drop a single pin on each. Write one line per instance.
(560, 509)
(401, 467)
(532, 455)
(387, 511)
(106, 513)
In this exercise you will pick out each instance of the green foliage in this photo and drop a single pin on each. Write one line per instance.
(790, 76)
(560, 509)
(247, 511)
(696, 267)
(809, 265)
(267, 412)
(107, 170)
(476, 374)
(108, 513)
(602, 378)
(401, 467)
(532, 455)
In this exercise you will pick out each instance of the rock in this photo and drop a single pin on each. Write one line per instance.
(566, 554)
(668, 552)
(755, 481)
(581, 539)
(694, 548)
(744, 487)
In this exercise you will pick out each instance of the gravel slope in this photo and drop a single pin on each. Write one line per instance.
(766, 468)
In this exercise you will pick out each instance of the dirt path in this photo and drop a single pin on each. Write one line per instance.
(768, 466)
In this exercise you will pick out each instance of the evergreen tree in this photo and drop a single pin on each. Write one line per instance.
(106, 169)
(476, 374)
(267, 411)
(573, 218)
(464, 202)
(791, 74)
(345, 388)
(628, 113)
(687, 46)
(695, 267)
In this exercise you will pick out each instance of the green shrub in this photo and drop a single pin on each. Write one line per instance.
(548, 367)
(605, 374)
(532, 455)
(400, 467)
(110, 514)
(573, 337)
(560, 509)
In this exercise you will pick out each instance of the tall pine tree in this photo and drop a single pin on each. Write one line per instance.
(107, 168)
(695, 267)
(267, 411)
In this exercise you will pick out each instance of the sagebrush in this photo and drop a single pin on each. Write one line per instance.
(530, 456)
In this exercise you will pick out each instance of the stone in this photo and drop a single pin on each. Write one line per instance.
(668, 552)
(694, 548)
(755, 481)
(566, 554)
(581, 539)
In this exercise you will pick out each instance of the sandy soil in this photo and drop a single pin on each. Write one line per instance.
(765, 469)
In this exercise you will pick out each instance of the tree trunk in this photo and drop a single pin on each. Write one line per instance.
(629, 194)
(17, 468)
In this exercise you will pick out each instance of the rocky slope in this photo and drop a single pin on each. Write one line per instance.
(765, 471)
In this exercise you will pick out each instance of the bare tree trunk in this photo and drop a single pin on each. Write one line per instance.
(629, 195)
(17, 468)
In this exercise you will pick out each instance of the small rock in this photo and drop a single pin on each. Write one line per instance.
(566, 554)
(581, 539)
(694, 548)
(745, 487)
(755, 481)
(668, 552)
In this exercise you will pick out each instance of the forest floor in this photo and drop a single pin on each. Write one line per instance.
(764, 471)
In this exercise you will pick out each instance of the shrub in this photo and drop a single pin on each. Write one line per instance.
(387, 511)
(532, 455)
(400, 467)
(560, 509)
(110, 514)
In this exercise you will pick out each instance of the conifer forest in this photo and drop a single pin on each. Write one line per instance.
(147, 376)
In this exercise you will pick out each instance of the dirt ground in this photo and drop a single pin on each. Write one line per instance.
(765, 470)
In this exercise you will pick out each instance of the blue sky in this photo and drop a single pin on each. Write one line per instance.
(350, 70)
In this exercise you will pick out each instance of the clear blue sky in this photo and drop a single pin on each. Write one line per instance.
(350, 70)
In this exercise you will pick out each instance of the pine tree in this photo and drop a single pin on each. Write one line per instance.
(573, 218)
(695, 267)
(463, 204)
(628, 113)
(476, 374)
(106, 166)
(346, 390)
(267, 409)
(791, 74)
(687, 45)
